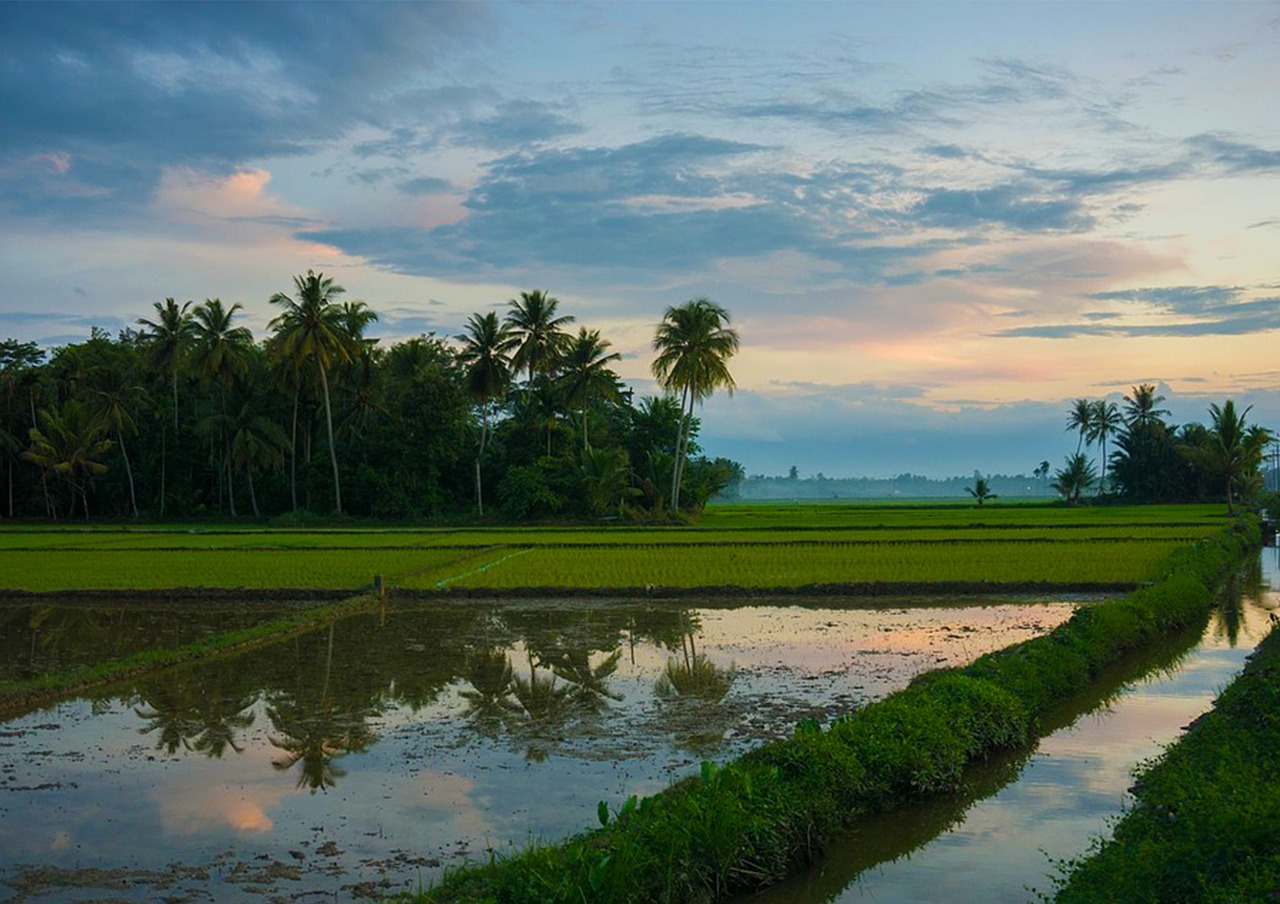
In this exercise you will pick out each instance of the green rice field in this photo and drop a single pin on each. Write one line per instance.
(758, 546)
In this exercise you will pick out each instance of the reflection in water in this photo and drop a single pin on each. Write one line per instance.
(994, 842)
(317, 728)
(474, 728)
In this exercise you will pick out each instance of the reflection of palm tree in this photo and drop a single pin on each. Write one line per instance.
(590, 683)
(696, 677)
(222, 717)
(172, 714)
(539, 697)
(316, 733)
(489, 673)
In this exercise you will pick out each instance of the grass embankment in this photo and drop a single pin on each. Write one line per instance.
(1206, 823)
(22, 696)
(743, 825)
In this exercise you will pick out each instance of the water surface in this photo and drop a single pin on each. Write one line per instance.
(366, 757)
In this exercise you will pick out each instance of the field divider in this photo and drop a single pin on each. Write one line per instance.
(443, 584)
(17, 697)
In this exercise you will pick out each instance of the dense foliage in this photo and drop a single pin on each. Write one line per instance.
(1152, 460)
(189, 415)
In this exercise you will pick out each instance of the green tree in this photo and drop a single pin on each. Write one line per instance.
(1142, 408)
(539, 333)
(981, 491)
(694, 343)
(585, 374)
(167, 340)
(69, 445)
(1231, 450)
(313, 328)
(485, 357)
(1080, 419)
(221, 354)
(1074, 480)
(1105, 422)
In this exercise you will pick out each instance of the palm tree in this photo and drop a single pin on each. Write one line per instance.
(115, 409)
(68, 444)
(257, 441)
(1106, 421)
(220, 353)
(981, 491)
(1080, 419)
(1230, 449)
(485, 348)
(586, 373)
(540, 335)
(1141, 409)
(168, 338)
(314, 328)
(1073, 480)
(694, 344)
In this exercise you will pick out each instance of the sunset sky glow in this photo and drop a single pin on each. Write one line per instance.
(934, 223)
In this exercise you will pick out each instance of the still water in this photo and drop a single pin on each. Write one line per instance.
(364, 758)
(1030, 810)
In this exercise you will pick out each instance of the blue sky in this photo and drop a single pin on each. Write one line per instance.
(934, 224)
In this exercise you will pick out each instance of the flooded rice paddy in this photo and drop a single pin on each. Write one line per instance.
(363, 759)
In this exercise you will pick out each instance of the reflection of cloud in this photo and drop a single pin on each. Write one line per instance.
(447, 797)
(240, 807)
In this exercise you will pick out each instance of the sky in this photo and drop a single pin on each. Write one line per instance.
(933, 224)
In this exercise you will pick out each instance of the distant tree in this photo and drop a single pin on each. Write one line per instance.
(1141, 409)
(167, 340)
(1075, 479)
(1080, 419)
(69, 445)
(1230, 449)
(1104, 422)
(981, 491)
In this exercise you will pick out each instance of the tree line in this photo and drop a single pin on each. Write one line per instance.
(188, 414)
(1153, 460)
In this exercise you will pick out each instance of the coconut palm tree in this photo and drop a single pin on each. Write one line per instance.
(694, 343)
(69, 445)
(1073, 480)
(1141, 410)
(540, 335)
(115, 408)
(485, 357)
(313, 328)
(585, 373)
(1230, 449)
(1080, 419)
(981, 491)
(168, 338)
(1106, 421)
(221, 354)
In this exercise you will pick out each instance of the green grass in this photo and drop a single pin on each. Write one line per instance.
(794, 565)
(770, 546)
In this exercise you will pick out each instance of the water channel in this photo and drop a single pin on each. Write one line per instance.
(365, 758)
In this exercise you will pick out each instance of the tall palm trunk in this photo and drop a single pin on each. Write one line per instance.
(128, 470)
(164, 462)
(293, 453)
(677, 468)
(484, 435)
(333, 452)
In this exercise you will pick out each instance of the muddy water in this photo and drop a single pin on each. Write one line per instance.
(1029, 810)
(364, 758)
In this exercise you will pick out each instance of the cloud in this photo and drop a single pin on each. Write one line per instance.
(1022, 206)
(425, 185)
(119, 91)
(1233, 156)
